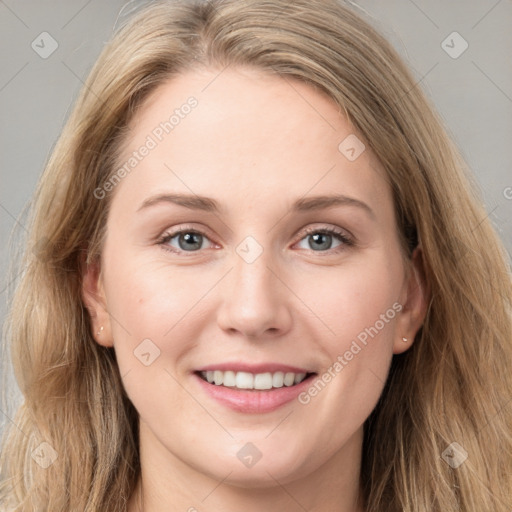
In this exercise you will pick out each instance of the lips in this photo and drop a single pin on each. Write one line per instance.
(253, 388)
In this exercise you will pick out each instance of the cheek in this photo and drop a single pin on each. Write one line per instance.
(358, 302)
(150, 298)
(150, 308)
(156, 320)
(358, 311)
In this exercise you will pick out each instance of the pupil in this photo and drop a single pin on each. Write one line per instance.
(322, 240)
(190, 241)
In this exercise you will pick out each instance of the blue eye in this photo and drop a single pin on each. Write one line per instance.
(322, 240)
(188, 241)
(326, 240)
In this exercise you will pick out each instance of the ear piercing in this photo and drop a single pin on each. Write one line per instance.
(405, 340)
(100, 331)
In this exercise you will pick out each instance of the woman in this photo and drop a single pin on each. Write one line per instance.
(262, 280)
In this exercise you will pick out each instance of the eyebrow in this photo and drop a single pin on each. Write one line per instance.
(321, 202)
(192, 202)
(207, 204)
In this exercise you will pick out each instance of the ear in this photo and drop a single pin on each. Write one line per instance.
(93, 295)
(414, 301)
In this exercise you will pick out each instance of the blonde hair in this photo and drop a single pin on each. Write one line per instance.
(453, 385)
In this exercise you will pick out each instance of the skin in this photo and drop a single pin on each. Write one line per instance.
(255, 143)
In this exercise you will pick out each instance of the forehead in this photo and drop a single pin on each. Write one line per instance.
(239, 132)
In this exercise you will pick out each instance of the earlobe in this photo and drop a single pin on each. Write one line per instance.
(93, 296)
(415, 301)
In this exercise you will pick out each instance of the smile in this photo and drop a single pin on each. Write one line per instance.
(253, 388)
(247, 380)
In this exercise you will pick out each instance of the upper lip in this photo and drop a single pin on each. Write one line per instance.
(253, 368)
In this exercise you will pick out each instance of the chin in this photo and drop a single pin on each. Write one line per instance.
(261, 477)
(274, 465)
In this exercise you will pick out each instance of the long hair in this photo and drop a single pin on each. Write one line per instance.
(452, 386)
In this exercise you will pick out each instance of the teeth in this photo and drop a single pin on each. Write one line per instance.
(263, 381)
(289, 379)
(278, 380)
(246, 380)
(218, 377)
(229, 379)
(299, 377)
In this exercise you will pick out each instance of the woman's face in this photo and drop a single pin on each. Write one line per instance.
(252, 243)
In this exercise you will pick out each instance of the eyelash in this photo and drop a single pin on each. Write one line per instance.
(345, 240)
(342, 236)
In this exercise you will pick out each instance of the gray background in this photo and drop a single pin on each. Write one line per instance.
(473, 92)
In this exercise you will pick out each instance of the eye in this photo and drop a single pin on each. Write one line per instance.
(325, 239)
(317, 240)
(186, 240)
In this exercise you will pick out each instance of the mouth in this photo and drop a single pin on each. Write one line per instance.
(255, 389)
(253, 381)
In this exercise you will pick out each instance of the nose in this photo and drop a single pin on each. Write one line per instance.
(255, 301)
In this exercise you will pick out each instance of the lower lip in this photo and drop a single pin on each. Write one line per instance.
(252, 400)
